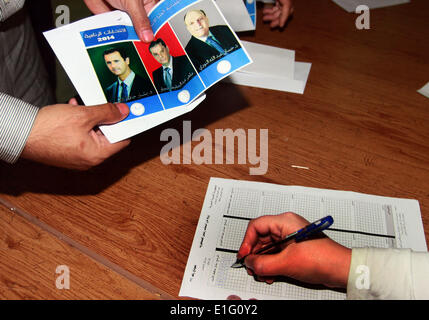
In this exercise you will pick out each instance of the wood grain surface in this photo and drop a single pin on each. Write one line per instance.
(33, 266)
(360, 126)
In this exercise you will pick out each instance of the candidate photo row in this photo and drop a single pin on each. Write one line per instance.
(129, 71)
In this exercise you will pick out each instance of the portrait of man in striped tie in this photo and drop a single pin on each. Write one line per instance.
(174, 72)
(129, 85)
(207, 44)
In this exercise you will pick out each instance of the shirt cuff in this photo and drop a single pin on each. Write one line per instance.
(420, 274)
(380, 274)
(9, 7)
(16, 121)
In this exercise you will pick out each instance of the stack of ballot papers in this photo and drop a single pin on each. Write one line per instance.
(107, 62)
(273, 68)
(425, 90)
(351, 5)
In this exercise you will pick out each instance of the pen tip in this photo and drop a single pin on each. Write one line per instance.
(237, 264)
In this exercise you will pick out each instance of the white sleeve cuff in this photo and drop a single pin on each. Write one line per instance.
(380, 274)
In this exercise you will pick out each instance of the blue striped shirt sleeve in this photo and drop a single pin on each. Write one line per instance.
(16, 121)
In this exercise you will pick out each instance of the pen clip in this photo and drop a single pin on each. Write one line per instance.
(314, 228)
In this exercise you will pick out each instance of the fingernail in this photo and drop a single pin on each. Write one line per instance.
(146, 35)
(123, 108)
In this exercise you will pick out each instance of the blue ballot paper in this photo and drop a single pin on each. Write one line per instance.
(251, 8)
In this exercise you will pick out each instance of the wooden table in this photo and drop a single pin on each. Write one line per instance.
(127, 226)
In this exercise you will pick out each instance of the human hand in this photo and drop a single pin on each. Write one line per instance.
(316, 261)
(63, 135)
(278, 14)
(137, 9)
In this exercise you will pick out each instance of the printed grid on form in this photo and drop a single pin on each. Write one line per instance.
(356, 224)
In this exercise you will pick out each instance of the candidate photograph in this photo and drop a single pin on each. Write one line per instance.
(204, 34)
(174, 71)
(121, 72)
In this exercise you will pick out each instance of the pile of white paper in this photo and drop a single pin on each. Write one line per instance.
(351, 5)
(273, 68)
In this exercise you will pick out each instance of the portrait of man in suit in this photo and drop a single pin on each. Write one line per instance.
(129, 85)
(207, 44)
(174, 72)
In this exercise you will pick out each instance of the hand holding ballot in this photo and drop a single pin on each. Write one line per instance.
(316, 261)
(137, 9)
(63, 135)
(160, 79)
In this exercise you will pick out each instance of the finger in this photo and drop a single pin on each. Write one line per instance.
(275, 23)
(260, 232)
(73, 102)
(113, 148)
(250, 240)
(250, 272)
(97, 6)
(108, 149)
(268, 6)
(244, 250)
(267, 265)
(268, 280)
(285, 13)
(270, 10)
(108, 113)
(137, 12)
(272, 17)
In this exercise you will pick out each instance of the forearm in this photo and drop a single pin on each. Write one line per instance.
(388, 274)
(16, 120)
(9, 7)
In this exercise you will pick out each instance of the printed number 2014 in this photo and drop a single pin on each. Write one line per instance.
(106, 38)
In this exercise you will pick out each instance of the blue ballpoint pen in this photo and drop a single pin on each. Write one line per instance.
(299, 235)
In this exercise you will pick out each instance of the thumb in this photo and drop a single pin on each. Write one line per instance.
(287, 10)
(137, 12)
(108, 113)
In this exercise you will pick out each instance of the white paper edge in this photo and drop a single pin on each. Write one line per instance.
(297, 85)
(124, 130)
(424, 90)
